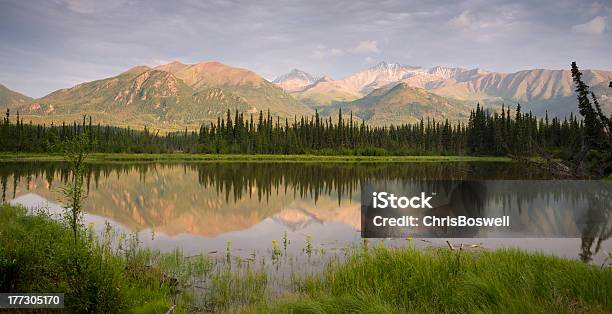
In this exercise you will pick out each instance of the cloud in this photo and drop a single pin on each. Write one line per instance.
(595, 26)
(365, 47)
(490, 22)
(319, 52)
(463, 20)
(107, 37)
(93, 6)
(598, 8)
(336, 52)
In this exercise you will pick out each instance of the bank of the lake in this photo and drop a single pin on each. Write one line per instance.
(38, 254)
(184, 157)
(382, 280)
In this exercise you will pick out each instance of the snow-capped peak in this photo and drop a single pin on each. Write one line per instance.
(379, 75)
(296, 74)
(295, 80)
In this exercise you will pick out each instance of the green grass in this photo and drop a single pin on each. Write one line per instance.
(231, 289)
(183, 157)
(37, 254)
(439, 280)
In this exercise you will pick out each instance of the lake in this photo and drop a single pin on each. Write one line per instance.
(200, 207)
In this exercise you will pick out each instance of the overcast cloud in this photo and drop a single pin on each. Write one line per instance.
(52, 44)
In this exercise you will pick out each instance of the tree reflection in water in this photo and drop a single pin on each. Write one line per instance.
(262, 182)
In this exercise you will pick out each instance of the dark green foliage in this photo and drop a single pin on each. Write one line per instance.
(75, 151)
(485, 133)
(595, 155)
(593, 119)
(37, 254)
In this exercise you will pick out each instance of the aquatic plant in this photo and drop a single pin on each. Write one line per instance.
(275, 250)
(228, 252)
(285, 241)
(308, 244)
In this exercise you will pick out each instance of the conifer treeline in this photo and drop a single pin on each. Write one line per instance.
(486, 133)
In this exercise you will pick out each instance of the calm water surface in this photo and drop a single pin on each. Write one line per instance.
(199, 207)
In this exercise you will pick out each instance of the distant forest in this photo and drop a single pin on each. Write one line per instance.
(584, 145)
(486, 133)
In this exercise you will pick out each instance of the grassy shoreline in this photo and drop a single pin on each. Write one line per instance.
(382, 280)
(37, 254)
(183, 157)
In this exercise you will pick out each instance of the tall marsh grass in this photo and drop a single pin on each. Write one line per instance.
(440, 280)
(119, 275)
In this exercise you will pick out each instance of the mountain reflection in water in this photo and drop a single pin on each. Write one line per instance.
(200, 206)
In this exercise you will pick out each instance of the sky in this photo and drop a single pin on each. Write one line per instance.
(53, 44)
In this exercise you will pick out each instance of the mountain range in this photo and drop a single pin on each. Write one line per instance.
(402, 103)
(174, 96)
(538, 90)
(170, 96)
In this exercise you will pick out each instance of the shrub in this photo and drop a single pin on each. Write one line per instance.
(38, 254)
